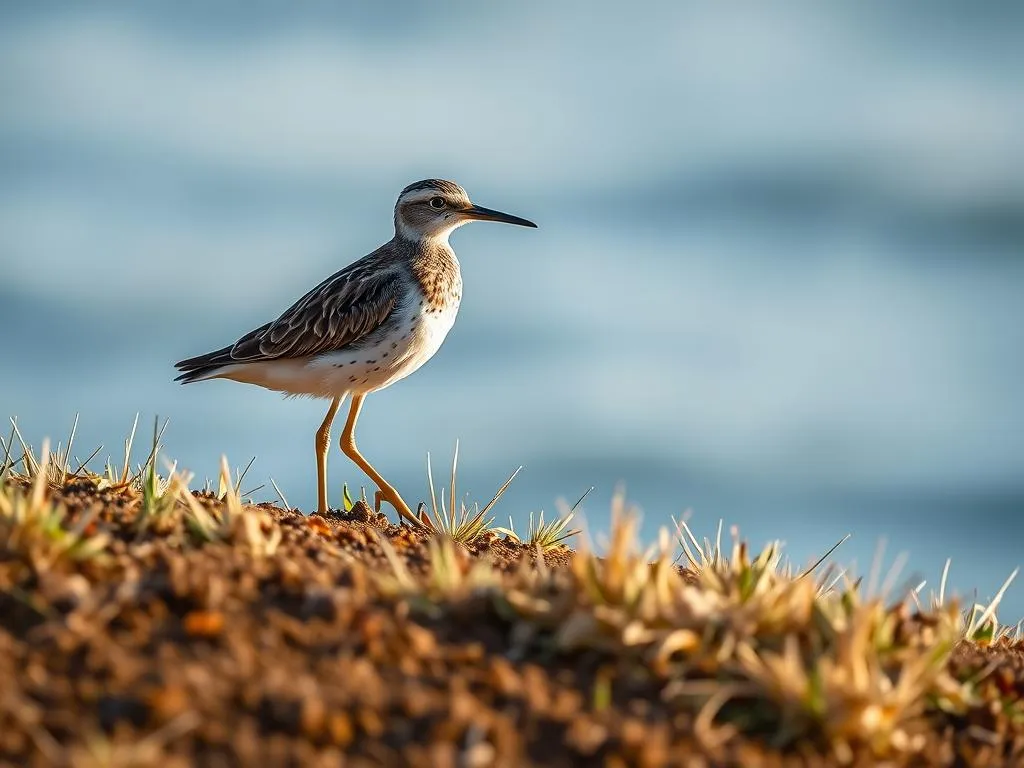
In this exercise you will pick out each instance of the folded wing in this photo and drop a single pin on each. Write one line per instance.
(340, 311)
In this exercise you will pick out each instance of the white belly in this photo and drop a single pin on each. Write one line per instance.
(417, 337)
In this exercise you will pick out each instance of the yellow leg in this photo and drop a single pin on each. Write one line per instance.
(348, 447)
(323, 444)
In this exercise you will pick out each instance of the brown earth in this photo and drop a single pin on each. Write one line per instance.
(206, 655)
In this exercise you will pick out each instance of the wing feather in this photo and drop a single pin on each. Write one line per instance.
(340, 311)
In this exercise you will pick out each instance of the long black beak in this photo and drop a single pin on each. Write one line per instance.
(489, 214)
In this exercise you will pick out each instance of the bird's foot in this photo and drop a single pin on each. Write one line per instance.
(421, 520)
(424, 518)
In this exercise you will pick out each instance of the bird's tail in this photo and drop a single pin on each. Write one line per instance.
(204, 366)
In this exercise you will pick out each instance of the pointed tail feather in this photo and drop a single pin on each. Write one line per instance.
(203, 366)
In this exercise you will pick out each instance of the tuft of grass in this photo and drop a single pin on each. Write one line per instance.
(455, 520)
(709, 561)
(546, 536)
(159, 495)
(126, 477)
(233, 521)
(57, 467)
(37, 532)
(979, 623)
(225, 485)
(453, 576)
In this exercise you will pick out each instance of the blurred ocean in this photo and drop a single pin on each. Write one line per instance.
(779, 275)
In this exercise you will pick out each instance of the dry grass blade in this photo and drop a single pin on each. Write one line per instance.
(81, 468)
(825, 556)
(942, 581)
(6, 466)
(453, 496)
(281, 496)
(124, 477)
(501, 491)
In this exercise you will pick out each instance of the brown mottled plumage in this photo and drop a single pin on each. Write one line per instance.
(437, 272)
(365, 327)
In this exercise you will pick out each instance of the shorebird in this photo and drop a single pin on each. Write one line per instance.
(364, 327)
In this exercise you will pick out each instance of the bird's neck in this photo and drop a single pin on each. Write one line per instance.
(436, 241)
(433, 249)
(436, 267)
(414, 237)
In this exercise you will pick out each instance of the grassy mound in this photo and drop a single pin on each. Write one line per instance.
(143, 623)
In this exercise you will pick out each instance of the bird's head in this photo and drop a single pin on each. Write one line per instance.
(431, 209)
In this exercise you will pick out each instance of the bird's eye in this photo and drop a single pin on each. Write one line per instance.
(437, 202)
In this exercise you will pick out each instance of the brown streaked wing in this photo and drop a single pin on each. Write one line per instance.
(339, 311)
